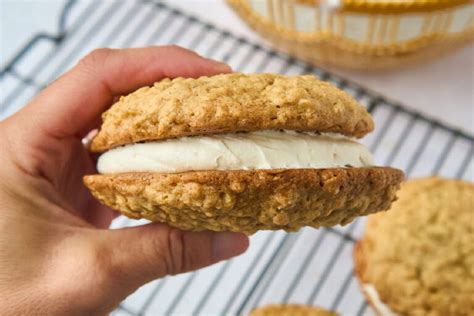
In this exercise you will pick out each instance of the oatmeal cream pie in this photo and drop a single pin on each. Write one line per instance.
(241, 153)
(418, 259)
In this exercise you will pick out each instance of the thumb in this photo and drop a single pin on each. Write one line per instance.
(141, 254)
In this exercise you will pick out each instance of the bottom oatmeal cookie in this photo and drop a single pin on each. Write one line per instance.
(247, 201)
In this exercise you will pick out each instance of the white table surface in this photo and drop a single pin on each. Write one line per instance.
(443, 89)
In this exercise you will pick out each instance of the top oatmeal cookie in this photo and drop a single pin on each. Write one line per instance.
(230, 103)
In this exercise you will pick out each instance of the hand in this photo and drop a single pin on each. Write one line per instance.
(56, 255)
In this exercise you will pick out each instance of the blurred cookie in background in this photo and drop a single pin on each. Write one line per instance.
(290, 310)
(418, 258)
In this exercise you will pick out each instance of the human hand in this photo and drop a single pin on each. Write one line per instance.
(56, 255)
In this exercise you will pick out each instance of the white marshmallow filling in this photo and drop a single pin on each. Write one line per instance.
(238, 151)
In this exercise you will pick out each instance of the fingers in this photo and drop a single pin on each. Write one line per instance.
(145, 253)
(99, 215)
(106, 266)
(72, 105)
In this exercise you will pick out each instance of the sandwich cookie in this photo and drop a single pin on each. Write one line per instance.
(241, 153)
(418, 258)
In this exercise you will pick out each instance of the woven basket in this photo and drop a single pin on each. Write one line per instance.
(362, 34)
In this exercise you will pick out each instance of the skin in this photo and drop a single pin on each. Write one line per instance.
(57, 256)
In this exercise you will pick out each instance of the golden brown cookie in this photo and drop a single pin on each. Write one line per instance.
(418, 258)
(248, 201)
(230, 103)
(290, 310)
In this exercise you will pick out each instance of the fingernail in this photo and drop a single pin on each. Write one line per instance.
(226, 245)
(220, 66)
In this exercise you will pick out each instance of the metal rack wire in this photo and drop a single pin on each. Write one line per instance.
(311, 266)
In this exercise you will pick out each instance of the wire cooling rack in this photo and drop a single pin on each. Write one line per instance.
(312, 266)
